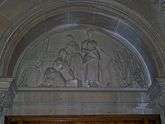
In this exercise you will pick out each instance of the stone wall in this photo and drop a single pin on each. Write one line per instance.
(79, 102)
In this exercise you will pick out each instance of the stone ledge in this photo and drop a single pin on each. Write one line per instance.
(83, 89)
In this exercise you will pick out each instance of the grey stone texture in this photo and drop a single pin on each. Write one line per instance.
(77, 102)
(33, 32)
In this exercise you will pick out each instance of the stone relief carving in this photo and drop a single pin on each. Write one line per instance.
(161, 103)
(127, 68)
(84, 63)
(2, 96)
(7, 93)
(157, 96)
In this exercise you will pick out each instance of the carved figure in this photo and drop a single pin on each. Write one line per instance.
(84, 63)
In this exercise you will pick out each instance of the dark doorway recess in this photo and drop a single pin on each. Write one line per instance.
(84, 119)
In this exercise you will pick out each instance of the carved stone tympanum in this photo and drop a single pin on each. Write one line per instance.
(82, 57)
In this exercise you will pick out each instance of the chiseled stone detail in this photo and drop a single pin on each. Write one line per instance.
(161, 98)
(42, 103)
(154, 90)
(157, 95)
(81, 57)
(7, 93)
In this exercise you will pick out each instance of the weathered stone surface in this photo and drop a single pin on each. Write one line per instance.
(82, 57)
(157, 96)
(7, 93)
(79, 102)
(23, 22)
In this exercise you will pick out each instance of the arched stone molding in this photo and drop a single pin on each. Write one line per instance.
(126, 19)
(105, 14)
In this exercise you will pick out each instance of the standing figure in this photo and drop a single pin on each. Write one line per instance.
(91, 59)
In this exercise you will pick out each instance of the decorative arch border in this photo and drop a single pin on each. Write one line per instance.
(109, 15)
